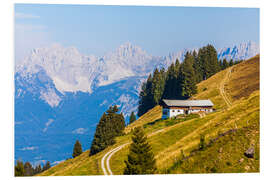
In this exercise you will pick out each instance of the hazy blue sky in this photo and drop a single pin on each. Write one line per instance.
(159, 30)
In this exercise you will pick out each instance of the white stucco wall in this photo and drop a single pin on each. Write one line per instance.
(168, 113)
(175, 112)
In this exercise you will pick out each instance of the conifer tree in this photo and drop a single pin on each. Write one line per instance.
(209, 61)
(231, 62)
(157, 87)
(110, 125)
(199, 66)
(77, 149)
(146, 97)
(119, 124)
(38, 169)
(19, 168)
(103, 137)
(140, 158)
(46, 166)
(177, 66)
(170, 90)
(115, 109)
(225, 64)
(132, 118)
(28, 169)
(187, 81)
(220, 65)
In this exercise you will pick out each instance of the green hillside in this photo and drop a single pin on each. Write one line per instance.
(229, 131)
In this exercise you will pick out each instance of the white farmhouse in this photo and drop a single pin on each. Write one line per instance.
(173, 108)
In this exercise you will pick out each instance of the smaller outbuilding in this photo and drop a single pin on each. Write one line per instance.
(173, 108)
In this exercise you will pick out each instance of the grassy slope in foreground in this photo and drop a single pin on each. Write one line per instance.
(225, 155)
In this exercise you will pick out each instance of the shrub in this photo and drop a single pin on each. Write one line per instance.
(202, 142)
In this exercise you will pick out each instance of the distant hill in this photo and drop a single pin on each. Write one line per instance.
(229, 132)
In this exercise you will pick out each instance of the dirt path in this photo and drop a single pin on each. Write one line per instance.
(106, 167)
(222, 90)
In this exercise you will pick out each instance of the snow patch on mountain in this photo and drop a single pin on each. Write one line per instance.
(50, 97)
(69, 70)
(239, 52)
(48, 123)
(127, 103)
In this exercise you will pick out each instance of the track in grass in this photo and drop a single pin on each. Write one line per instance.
(107, 158)
(222, 90)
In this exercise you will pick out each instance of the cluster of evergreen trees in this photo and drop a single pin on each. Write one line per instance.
(27, 169)
(110, 125)
(180, 79)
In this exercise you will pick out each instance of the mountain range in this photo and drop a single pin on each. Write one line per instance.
(60, 93)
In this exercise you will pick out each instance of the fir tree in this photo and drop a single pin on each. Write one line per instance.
(119, 124)
(103, 137)
(46, 166)
(225, 64)
(187, 81)
(28, 169)
(132, 118)
(208, 58)
(19, 168)
(140, 158)
(110, 125)
(38, 169)
(157, 87)
(220, 65)
(170, 89)
(146, 97)
(199, 65)
(231, 62)
(77, 149)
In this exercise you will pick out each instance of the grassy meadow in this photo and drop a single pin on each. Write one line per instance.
(229, 132)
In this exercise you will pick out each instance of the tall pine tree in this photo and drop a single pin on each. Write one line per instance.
(38, 169)
(208, 58)
(46, 166)
(187, 79)
(132, 118)
(157, 87)
(231, 62)
(140, 158)
(225, 64)
(19, 168)
(28, 169)
(110, 125)
(146, 97)
(77, 149)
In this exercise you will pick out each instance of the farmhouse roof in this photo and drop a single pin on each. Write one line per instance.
(188, 102)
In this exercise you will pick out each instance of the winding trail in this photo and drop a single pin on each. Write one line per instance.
(109, 155)
(106, 158)
(106, 167)
(222, 90)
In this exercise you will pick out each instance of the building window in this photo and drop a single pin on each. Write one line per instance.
(172, 110)
(178, 110)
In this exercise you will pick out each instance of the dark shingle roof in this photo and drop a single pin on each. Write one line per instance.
(188, 102)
